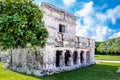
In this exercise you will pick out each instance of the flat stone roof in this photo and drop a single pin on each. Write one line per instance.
(58, 10)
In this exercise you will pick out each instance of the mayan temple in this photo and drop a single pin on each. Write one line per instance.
(64, 51)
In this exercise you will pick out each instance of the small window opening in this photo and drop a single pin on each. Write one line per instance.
(62, 28)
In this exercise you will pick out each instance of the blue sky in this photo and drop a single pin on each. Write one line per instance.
(97, 19)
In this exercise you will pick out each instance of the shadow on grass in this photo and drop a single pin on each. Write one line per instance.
(102, 71)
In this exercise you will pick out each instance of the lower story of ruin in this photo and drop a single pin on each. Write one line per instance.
(50, 61)
(70, 58)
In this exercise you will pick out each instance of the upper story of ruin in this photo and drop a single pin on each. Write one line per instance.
(61, 26)
(58, 20)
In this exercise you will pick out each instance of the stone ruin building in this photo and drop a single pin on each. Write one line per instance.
(64, 51)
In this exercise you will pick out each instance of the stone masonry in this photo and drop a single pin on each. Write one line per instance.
(63, 51)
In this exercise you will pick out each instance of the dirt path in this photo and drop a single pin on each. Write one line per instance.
(98, 61)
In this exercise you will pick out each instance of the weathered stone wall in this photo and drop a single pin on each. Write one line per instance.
(4, 57)
(27, 61)
(65, 41)
(53, 16)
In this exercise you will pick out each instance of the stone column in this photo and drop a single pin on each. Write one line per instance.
(71, 58)
(90, 57)
(84, 55)
(54, 62)
(92, 51)
(62, 59)
(54, 59)
(44, 60)
(78, 58)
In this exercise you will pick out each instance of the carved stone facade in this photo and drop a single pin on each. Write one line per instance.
(63, 51)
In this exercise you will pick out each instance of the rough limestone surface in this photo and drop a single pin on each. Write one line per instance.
(64, 51)
(118, 71)
(4, 57)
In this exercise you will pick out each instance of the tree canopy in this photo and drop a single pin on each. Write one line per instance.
(110, 47)
(21, 23)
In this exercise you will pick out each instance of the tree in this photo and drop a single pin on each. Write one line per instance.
(21, 23)
(111, 47)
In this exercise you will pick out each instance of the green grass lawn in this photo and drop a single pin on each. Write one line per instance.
(102, 71)
(6, 74)
(107, 57)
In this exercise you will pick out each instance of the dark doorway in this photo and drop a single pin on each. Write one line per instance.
(75, 56)
(58, 55)
(67, 56)
(81, 57)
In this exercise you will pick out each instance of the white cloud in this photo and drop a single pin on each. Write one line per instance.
(102, 32)
(111, 14)
(114, 14)
(104, 6)
(101, 18)
(87, 21)
(68, 2)
(117, 34)
(81, 31)
(92, 24)
(87, 10)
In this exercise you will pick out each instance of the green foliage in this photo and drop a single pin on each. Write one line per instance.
(21, 23)
(109, 47)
